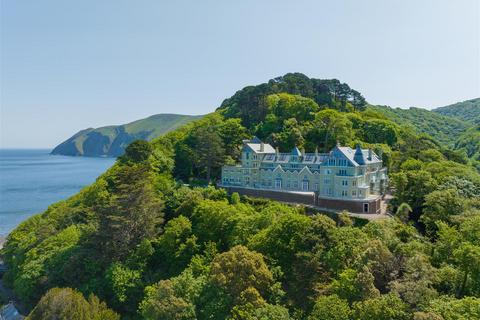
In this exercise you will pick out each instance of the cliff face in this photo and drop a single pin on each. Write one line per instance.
(111, 141)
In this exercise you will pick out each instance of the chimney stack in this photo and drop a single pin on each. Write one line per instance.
(262, 146)
(370, 155)
(316, 151)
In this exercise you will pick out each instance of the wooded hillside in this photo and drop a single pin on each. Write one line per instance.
(154, 248)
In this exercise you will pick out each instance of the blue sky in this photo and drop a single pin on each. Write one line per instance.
(69, 65)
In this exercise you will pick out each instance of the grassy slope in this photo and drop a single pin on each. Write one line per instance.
(158, 124)
(148, 128)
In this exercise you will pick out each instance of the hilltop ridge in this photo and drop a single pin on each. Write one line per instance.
(468, 110)
(111, 141)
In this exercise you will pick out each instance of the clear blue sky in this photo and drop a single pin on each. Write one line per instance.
(68, 65)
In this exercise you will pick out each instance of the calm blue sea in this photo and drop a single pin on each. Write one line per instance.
(31, 180)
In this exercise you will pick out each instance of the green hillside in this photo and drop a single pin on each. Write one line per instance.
(470, 142)
(152, 247)
(442, 128)
(468, 110)
(111, 141)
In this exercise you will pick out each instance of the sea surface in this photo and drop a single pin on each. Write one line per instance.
(31, 180)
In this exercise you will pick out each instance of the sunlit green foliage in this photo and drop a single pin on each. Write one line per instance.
(68, 304)
(154, 248)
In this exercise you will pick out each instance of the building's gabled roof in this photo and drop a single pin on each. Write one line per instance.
(374, 157)
(355, 156)
(348, 153)
(257, 147)
(368, 155)
(305, 169)
(296, 151)
(359, 157)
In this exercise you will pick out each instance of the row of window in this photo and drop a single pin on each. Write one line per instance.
(337, 162)
(344, 193)
(326, 181)
(305, 187)
(340, 172)
(345, 183)
(340, 162)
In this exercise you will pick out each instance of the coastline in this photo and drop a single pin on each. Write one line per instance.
(32, 180)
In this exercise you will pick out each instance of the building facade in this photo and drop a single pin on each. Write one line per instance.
(344, 178)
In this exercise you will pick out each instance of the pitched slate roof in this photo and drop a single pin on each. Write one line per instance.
(356, 156)
(350, 155)
(255, 147)
(9, 312)
(359, 156)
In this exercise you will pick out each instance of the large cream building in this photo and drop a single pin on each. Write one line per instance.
(344, 178)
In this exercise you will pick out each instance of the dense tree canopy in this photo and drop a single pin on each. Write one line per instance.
(249, 103)
(152, 247)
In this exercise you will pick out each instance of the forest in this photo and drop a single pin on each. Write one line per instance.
(153, 238)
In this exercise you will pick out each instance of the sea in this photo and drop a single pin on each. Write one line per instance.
(31, 180)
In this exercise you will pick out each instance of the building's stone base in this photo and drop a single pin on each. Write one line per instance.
(303, 198)
(367, 206)
(310, 198)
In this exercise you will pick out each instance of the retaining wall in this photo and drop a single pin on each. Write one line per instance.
(310, 198)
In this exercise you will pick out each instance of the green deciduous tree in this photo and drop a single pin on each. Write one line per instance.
(379, 131)
(412, 187)
(238, 269)
(440, 205)
(416, 287)
(352, 285)
(137, 151)
(172, 299)
(403, 212)
(211, 221)
(123, 283)
(426, 316)
(467, 257)
(456, 309)
(332, 126)
(384, 307)
(68, 304)
(175, 247)
(330, 308)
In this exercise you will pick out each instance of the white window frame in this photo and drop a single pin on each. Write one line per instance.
(278, 183)
(305, 185)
